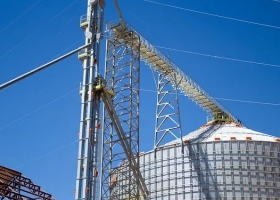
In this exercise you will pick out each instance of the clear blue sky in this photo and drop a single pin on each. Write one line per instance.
(41, 114)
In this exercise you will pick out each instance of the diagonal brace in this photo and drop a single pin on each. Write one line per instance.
(124, 143)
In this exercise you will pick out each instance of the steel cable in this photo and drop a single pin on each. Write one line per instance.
(214, 15)
(30, 8)
(29, 36)
(218, 57)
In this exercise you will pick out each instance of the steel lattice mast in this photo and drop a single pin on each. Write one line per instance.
(122, 74)
(87, 170)
(168, 121)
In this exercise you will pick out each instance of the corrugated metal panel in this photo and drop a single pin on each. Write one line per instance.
(217, 169)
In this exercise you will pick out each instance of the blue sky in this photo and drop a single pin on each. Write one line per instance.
(40, 116)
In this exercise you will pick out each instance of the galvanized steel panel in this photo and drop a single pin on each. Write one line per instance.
(218, 169)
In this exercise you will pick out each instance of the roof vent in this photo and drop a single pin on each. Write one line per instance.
(277, 139)
(187, 141)
(248, 138)
(141, 154)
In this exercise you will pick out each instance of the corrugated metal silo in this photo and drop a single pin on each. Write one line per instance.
(220, 161)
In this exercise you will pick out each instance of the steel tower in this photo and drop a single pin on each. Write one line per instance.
(122, 74)
(87, 171)
(168, 121)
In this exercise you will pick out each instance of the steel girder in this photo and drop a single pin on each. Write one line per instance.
(15, 186)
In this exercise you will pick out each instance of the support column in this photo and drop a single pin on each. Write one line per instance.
(168, 121)
(122, 75)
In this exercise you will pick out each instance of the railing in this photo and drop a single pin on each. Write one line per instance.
(83, 21)
(187, 86)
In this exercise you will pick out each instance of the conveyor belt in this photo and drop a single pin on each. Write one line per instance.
(155, 59)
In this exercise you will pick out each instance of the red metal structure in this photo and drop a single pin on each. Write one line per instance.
(15, 186)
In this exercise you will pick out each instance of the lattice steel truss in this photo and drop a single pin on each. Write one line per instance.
(15, 186)
(122, 74)
(156, 60)
(168, 121)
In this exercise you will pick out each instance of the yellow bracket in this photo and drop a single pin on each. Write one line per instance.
(84, 24)
(82, 55)
(220, 117)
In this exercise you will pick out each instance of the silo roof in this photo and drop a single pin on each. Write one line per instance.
(224, 132)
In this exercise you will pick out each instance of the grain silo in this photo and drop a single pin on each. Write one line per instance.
(221, 160)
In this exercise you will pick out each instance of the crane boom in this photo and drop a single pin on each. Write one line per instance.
(155, 59)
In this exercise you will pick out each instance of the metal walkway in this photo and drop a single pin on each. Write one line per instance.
(156, 60)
